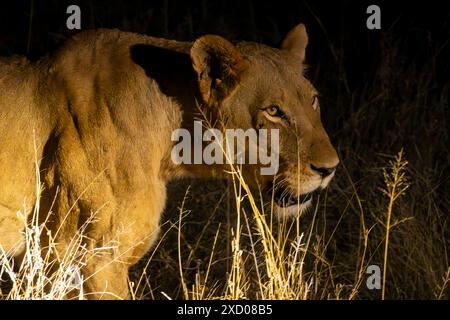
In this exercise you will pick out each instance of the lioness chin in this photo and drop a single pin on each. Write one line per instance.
(97, 118)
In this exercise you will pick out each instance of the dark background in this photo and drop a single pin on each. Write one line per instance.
(33, 27)
(381, 91)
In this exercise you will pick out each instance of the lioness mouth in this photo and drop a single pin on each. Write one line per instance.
(284, 198)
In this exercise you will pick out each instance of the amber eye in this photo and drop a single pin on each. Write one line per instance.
(275, 111)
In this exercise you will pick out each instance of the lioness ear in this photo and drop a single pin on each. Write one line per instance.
(296, 41)
(219, 67)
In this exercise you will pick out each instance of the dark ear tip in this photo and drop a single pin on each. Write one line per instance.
(210, 41)
(301, 26)
(299, 33)
(296, 41)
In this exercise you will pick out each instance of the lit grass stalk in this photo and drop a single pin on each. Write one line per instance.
(180, 264)
(234, 285)
(396, 185)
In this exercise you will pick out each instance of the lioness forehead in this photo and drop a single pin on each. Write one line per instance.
(269, 57)
(276, 65)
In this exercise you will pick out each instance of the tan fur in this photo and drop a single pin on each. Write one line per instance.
(97, 118)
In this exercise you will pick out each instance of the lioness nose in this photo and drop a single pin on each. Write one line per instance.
(323, 171)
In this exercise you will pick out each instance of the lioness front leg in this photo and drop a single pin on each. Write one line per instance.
(106, 270)
(134, 232)
(106, 278)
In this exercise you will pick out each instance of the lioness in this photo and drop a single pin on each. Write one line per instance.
(97, 118)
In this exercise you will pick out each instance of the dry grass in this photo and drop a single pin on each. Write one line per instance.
(281, 259)
(268, 257)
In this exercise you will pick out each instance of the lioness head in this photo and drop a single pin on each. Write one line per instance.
(255, 86)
